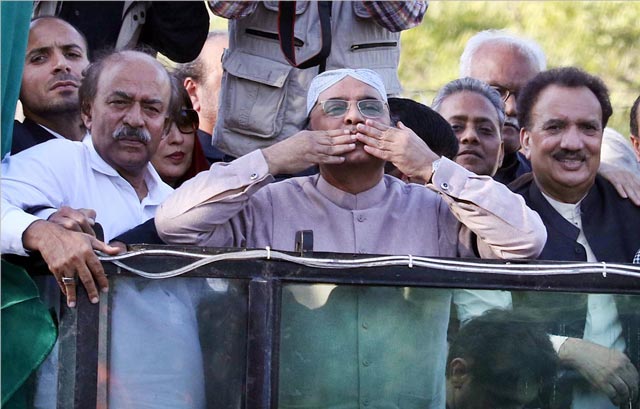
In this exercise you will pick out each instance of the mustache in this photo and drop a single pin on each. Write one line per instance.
(566, 154)
(128, 132)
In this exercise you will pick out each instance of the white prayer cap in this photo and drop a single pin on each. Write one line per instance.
(328, 78)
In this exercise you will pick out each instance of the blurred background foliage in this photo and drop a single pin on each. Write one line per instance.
(600, 37)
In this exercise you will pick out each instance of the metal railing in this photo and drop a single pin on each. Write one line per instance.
(84, 331)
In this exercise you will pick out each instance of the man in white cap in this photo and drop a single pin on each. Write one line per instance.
(348, 346)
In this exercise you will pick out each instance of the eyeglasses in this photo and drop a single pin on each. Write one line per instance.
(370, 108)
(187, 121)
(505, 93)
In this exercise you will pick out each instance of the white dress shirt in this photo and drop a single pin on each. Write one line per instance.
(60, 173)
(155, 359)
(602, 324)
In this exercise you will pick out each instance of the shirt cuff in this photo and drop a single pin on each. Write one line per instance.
(449, 177)
(246, 174)
(557, 341)
(14, 225)
(44, 214)
(253, 168)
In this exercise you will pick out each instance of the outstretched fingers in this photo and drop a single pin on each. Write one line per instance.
(329, 146)
(376, 138)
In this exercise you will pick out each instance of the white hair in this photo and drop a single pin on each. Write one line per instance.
(527, 46)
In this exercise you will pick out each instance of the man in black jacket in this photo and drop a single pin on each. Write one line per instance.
(563, 113)
(55, 58)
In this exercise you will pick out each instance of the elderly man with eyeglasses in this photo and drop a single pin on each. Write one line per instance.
(353, 207)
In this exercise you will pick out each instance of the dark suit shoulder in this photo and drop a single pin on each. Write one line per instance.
(611, 223)
(606, 191)
(27, 134)
(521, 184)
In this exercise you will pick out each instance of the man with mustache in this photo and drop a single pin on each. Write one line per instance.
(124, 101)
(506, 62)
(55, 58)
(563, 113)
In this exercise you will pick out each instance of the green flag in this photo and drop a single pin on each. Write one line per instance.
(15, 33)
(28, 332)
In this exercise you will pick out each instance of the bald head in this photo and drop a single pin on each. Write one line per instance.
(46, 23)
(125, 58)
(125, 101)
(526, 47)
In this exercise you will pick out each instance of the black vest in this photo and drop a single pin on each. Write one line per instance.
(611, 225)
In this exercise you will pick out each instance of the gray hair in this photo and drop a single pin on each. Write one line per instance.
(525, 45)
(471, 85)
(196, 69)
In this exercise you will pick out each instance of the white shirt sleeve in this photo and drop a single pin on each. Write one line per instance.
(472, 303)
(33, 178)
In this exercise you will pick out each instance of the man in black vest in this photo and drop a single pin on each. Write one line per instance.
(55, 58)
(563, 113)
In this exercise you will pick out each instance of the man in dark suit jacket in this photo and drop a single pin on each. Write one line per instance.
(55, 58)
(563, 113)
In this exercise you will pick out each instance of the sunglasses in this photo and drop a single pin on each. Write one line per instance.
(187, 121)
(370, 108)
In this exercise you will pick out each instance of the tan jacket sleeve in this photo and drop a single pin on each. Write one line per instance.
(200, 212)
(503, 224)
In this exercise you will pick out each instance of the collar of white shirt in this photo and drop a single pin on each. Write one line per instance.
(158, 190)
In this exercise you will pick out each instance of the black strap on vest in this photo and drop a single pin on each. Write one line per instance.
(286, 24)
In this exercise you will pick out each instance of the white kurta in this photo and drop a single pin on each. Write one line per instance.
(348, 346)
